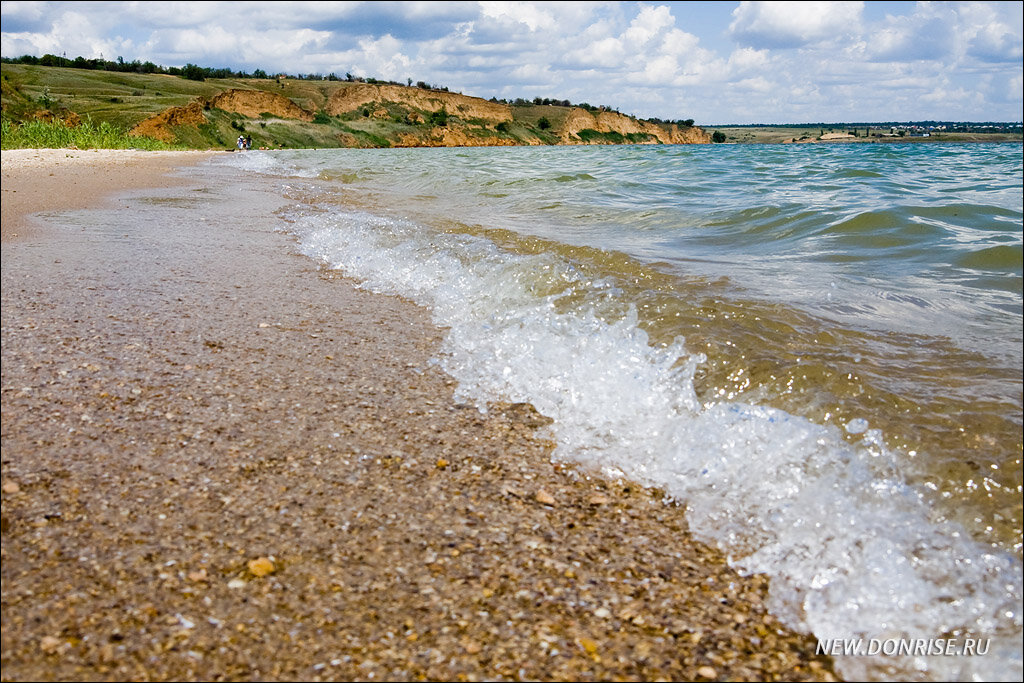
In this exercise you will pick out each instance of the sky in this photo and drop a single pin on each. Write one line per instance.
(715, 62)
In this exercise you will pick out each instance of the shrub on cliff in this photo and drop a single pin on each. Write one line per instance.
(439, 118)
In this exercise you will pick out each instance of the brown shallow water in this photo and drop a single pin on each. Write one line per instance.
(220, 462)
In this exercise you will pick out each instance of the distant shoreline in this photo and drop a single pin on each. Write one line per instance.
(813, 134)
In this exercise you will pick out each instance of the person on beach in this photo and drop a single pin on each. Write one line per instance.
(241, 142)
(248, 142)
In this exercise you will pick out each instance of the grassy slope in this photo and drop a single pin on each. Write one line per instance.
(223, 128)
(529, 117)
(126, 99)
(120, 99)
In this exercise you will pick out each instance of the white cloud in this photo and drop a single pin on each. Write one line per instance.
(787, 62)
(212, 40)
(960, 32)
(793, 24)
(73, 33)
(221, 46)
(649, 51)
(24, 11)
(677, 42)
(24, 43)
(384, 58)
(663, 69)
(747, 59)
(648, 23)
(929, 33)
(179, 15)
(1014, 92)
(528, 14)
(757, 84)
(949, 96)
(940, 60)
(993, 32)
(536, 74)
(607, 53)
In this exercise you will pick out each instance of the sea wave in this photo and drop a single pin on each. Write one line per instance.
(754, 353)
(854, 552)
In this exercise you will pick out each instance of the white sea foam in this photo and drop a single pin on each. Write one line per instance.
(267, 164)
(853, 552)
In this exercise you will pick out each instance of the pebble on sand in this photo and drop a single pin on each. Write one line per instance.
(261, 566)
(707, 672)
(49, 644)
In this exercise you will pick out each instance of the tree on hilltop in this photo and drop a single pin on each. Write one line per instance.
(193, 72)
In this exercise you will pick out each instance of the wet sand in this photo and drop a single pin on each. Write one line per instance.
(223, 462)
(52, 179)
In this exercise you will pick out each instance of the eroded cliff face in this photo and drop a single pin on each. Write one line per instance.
(691, 135)
(473, 122)
(452, 137)
(67, 117)
(160, 125)
(248, 103)
(351, 97)
(613, 122)
(253, 103)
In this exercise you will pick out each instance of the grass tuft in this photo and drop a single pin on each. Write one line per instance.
(37, 134)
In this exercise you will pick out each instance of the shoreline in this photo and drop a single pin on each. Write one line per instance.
(221, 461)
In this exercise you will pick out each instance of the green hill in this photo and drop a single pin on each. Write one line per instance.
(291, 113)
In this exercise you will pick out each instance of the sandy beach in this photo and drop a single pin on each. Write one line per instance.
(52, 179)
(222, 462)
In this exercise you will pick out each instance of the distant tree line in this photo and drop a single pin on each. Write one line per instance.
(190, 71)
(547, 101)
(684, 123)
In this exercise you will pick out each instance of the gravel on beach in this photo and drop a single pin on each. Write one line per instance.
(225, 463)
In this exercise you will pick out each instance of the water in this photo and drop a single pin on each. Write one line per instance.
(816, 349)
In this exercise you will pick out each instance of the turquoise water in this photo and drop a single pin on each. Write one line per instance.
(817, 349)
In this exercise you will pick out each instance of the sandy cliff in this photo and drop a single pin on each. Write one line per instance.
(689, 135)
(248, 103)
(613, 122)
(451, 137)
(160, 125)
(253, 103)
(359, 94)
(472, 121)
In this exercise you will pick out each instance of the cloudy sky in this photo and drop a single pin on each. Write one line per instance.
(716, 62)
